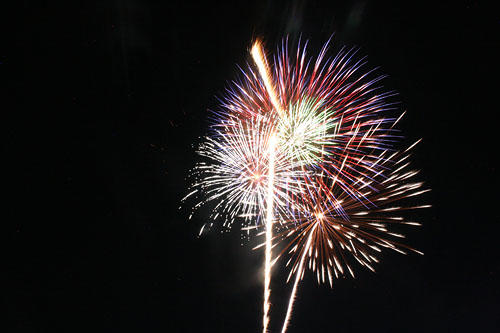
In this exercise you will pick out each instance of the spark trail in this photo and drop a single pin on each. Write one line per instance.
(269, 232)
(261, 62)
(258, 55)
(298, 276)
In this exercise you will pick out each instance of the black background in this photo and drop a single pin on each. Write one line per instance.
(103, 104)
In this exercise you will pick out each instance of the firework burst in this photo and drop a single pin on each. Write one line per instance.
(306, 148)
(236, 172)
(331, 228)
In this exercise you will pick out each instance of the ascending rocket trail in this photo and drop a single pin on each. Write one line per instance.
(261, 62)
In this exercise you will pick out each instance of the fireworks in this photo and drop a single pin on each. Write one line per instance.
(305, 131)
(331, 227)
(306, 150)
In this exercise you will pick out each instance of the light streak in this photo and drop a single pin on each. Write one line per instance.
(263, 67)
(295, 284)
(269, 232)
(261, 62)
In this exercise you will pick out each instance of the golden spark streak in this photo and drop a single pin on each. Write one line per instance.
(297, 279)
(269, 231)
(263, 67)
(261, 62)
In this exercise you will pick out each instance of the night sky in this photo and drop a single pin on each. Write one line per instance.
(103, 105)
